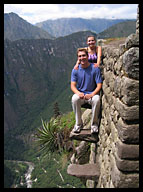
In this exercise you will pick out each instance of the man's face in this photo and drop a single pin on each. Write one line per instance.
(82, 57)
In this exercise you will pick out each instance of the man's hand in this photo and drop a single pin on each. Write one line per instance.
(81, 95)
(77, 64)
(88, 96)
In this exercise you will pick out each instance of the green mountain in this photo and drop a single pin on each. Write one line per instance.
(66, 26)
(17, 28)
(36, 74)
(122, 29)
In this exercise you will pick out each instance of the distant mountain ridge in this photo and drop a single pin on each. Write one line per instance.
(122, 29)
(66, 26)
(17, 28)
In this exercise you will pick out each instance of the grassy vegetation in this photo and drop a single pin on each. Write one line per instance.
(55, 159)
(109, 40)
(51, 172)
(50, 166)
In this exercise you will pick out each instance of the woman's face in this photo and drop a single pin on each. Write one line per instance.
(91, 41)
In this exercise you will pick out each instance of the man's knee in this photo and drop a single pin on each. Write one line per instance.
(96, 99)
(75, 98)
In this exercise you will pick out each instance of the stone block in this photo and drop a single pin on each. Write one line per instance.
(115, 53)
(92, 156)
(107, 76)
(115, 117)
(85, 135)
(108, 93)
(104, 62)
(109, 121)
(82, 153)
(118, 66)
(127, 165)
(123, 180)
(128, 133)
(132, 41)
(88, 171)
(105, 51)
(114, 134)
(127, 151)
(86, 116)
(130, 91)
(122, 49)
(111, 51)
(106, 89)
(110, 63)
(131, 63)
(117, 86)
(111, 82)
(128, 113)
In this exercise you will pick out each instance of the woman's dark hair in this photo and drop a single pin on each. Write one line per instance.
(91, 36)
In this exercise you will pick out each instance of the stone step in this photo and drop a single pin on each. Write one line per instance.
(86, 171)
(85, 135)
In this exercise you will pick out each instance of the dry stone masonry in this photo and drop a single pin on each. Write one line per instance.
(118, 146)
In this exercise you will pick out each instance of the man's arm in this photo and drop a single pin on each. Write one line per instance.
(98, 88)
(75, 90)
(96, 91)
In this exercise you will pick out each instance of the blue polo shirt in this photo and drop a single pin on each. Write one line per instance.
(86, 78)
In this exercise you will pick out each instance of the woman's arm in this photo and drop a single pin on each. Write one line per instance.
(99, 53)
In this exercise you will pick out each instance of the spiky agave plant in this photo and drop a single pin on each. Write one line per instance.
(48, 136)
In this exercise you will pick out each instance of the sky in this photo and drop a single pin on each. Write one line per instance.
(34, 13)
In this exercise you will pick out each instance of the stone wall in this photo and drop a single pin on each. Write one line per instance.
(118, 146)
(117, 151)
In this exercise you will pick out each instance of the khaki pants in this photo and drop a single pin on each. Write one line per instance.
(94, 102)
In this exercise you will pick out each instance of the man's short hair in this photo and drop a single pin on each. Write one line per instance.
(82, 49)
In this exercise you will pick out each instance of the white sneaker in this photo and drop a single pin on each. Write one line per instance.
(77, 128)
(94, 129)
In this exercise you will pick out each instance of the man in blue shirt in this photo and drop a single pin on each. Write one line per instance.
(86, 83)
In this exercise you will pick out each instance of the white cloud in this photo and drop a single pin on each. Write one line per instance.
(34, 13)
